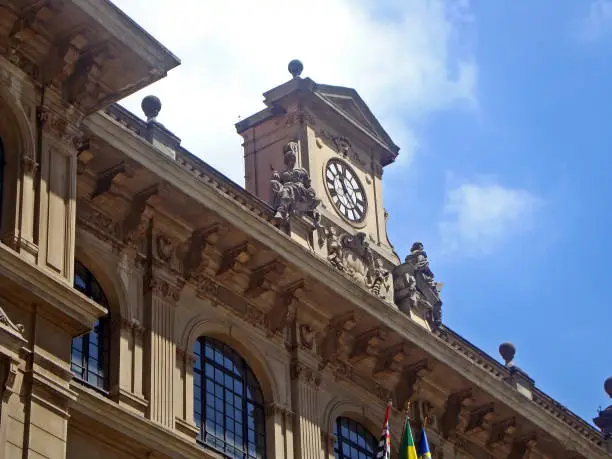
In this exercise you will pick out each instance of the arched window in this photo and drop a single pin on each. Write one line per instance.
(353, 441)
(90, 352)
(228, 402)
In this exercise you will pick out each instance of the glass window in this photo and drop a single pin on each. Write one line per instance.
(228, 402)
(353, 441)
(90, 352)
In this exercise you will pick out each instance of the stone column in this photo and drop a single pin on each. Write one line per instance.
(305, 383)
(160, 357)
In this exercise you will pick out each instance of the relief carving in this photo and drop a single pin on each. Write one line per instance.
(164, 289)
(415, 286)
(307, 336)
(352, 255)
(304, 373)
(292, 193)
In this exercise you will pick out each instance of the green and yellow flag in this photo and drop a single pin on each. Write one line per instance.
(407, 448)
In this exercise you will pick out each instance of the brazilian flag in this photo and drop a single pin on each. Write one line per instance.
(407, 448)
(424, 452)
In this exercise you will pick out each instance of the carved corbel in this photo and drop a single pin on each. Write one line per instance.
(480, 419)
(60, 63)
(523, 446)
(199, 244)
(501, 433)
(235, 260)
(307, 336)
(409, 384)
(284, 310)
(136, 222)
(106, 179)
(332, 344)
(390, 361)
(367, 345)
(264, 278)
(457, 406)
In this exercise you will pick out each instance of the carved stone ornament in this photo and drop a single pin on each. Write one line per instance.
(352, 255)
(292, 193)
(415, 286)
(7, 323)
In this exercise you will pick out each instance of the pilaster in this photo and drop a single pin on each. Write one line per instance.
(55, 194)
(184, 397)
(160, 357)
(305, 382)
(279, 428)
(128, 390)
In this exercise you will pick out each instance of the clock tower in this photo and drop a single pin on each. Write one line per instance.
(316, 153)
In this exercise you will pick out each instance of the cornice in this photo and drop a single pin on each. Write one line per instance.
(50, 289)
(95, 406)
(240, 216)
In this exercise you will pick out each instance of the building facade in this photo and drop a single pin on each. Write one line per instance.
(152, 308)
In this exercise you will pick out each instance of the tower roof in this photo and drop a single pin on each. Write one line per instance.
(343, 102)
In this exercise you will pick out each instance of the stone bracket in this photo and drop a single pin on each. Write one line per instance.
(332, 345)
(480, 419)
(235, 260)
(107, 178)
(367, 345)
(390, 361)
(264, 278)
(456, 407)
(284, 310)
(201, 240)
(409, 382)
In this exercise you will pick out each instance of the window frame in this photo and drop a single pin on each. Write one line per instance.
(211, 376)
(84, 370)
(360, 432)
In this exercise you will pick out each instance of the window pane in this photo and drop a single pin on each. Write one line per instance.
(90, 352)
(353, 441)
(230, 409)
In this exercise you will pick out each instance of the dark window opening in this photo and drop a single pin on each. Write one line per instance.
(228, 402)
(90, 352)
(353, 441)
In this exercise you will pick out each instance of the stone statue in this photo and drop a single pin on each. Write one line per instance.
(352, 255)
(415, 287)
(292, 193)
(418, 258)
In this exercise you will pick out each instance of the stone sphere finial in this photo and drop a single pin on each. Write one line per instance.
(608, 386)
(295, 68)
(151, 105)
(507, 351)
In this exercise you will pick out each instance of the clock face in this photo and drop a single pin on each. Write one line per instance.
(345, 190)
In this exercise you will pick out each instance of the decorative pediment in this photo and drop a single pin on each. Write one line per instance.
(348, 103)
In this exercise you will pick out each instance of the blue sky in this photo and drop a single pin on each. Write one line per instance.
(501, 112)
(541, 133)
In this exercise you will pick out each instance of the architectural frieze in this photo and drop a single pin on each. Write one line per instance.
(302, 372)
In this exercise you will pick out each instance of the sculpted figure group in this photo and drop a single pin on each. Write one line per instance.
(292, 193)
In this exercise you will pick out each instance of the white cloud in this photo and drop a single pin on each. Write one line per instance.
(396, 53)
(478, 218)
(598, 22)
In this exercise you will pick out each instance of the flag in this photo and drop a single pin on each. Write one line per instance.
(424, 452)
(407, 449)
(384, 445)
